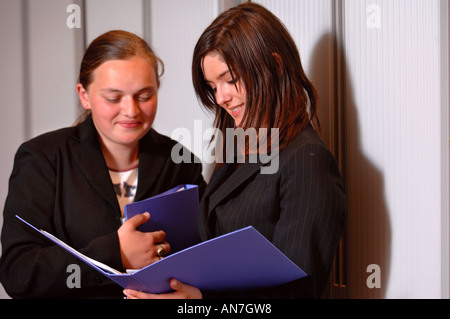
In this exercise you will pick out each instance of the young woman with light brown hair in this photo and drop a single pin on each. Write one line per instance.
(74, 182)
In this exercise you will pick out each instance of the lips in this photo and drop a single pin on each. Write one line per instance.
(129, 124)
(235, 111)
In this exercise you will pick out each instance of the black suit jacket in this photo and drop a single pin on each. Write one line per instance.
(301, 209)
(60, 183)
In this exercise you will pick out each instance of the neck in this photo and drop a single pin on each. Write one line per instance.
(121, 158)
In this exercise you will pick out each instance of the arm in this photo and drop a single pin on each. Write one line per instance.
(313, 214)
(31, 266)
(28, 260)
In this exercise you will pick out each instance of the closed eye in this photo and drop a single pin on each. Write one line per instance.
(113, 99)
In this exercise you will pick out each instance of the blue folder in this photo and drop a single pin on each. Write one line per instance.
(240, 260)
(174, 211)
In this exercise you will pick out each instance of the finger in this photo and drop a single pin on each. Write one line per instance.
(162, 249)
(138, 220)
(159, 236)
(183, 291)
(134, 294)
(175, 284)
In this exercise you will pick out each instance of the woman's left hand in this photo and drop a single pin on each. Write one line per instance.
(181, 291)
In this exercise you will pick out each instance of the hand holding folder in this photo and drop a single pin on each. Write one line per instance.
(243, 259)
(174, 212)
(138, 249)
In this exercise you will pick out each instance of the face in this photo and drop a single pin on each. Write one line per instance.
(228, 94)
(123, 99)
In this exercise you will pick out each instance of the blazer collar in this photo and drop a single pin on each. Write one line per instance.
(86, 151)
(152, 158)
(231, 178)
(226, 179)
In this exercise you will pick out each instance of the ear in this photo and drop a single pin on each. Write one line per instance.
(278, 61)
(84, 96)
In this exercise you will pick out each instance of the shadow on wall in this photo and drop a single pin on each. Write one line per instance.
(368, 238)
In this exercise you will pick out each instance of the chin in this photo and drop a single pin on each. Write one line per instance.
(131, 138)
(238, 123)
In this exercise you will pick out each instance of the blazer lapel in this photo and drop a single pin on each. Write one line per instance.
(152, 158)
(237, 178)
(88, 155)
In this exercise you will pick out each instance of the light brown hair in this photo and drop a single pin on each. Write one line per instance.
(115, 45)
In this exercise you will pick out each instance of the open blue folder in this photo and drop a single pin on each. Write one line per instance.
(174, 211)
(240, 260)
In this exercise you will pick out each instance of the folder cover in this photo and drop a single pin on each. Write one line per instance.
(174, 211)
(240, 260)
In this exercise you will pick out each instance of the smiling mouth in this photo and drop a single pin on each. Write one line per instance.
(133, 124)
(235, 111)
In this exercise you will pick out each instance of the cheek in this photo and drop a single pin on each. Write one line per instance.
(242, 93)
(102, 108)
(149, 109)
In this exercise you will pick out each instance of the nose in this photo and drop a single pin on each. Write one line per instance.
(222, 95)
(130, 107)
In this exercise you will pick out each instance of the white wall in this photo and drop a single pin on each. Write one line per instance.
(393, 106)
(106, 15)
(388, 99)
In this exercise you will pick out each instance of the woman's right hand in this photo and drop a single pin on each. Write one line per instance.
(140, 249)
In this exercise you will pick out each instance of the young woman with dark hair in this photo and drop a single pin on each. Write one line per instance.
(247, 70)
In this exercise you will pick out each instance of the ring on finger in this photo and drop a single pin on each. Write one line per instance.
(161, 251)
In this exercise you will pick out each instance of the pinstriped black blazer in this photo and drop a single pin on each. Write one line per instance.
(301, 209)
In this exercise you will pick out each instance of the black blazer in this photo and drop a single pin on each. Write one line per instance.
(301, 209)
(60, 183)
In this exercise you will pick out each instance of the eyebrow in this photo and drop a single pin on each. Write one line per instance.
(221, 75)
(111, 90)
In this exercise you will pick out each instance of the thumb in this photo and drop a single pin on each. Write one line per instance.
(175, 284)
(138, 220)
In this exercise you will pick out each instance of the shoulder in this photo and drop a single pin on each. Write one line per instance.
(157, 138)
(59, 141)
(308, 139)
(39, 155)
(307, 150)
(48, 142)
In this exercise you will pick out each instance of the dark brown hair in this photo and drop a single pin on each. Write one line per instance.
(115, 45)
(260, 53)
